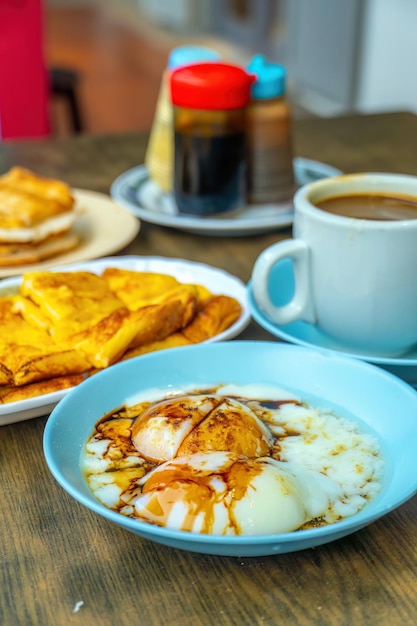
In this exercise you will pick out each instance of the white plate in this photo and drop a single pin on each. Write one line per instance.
(134, 191)
(104, 226)
(216, 280)
(309, 335)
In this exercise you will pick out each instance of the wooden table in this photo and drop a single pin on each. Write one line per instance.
(61, 564)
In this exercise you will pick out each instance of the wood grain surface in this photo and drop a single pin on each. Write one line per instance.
(61, 564)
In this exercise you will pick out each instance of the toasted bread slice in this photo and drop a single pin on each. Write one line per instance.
(29, 364)
(6, 375)
(105, 342)
(203, 294)
(39, 186)
(29, 354)
(16, 394)
(31, 313)
(157, 321)
(188, 296)
(174, 340)
(33, 208)
(24, 218)
(217, 314)
(70, 301)
(14, 330)
(14, 254)
(138, 289)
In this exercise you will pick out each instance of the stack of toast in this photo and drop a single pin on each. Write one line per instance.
(64, 326)
(36, 218)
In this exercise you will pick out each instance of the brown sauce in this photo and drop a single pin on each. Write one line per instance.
(209, 172)
(371, 206)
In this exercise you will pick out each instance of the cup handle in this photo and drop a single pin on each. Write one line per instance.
(300, 306)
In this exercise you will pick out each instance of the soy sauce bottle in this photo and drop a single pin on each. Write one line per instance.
(210, 156)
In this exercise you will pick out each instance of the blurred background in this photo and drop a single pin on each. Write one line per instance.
(341, 55)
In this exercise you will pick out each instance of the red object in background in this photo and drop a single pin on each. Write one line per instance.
(24, 86)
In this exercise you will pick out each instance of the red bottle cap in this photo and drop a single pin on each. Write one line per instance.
(211, 86)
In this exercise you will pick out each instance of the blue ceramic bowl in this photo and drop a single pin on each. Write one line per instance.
(381, 402)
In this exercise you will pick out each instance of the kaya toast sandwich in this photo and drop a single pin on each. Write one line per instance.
(36, 218)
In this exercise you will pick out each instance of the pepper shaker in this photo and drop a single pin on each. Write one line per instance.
(269, 129)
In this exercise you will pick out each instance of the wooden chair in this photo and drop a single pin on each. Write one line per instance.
(64, 84)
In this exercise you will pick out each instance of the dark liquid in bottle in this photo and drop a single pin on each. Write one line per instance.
(209, 173)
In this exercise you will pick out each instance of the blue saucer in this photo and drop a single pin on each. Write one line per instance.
(281, 285)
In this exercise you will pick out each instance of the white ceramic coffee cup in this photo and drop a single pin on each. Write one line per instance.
(356, 279)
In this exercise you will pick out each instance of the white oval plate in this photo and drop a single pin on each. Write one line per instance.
(134, 191)
(215, 279)
(104, 227)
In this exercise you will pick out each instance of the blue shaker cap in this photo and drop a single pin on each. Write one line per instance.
(270, 78)
(185, 55)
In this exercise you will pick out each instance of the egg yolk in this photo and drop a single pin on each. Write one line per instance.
(192, 424)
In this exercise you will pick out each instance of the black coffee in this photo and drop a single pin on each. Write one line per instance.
(371, 206)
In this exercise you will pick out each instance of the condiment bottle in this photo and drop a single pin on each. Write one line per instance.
(159, 158)
(269, 129)
(210, 101)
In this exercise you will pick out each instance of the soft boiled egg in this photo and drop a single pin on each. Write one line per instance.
(199, 423)
(229, 494)
(231, 460)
